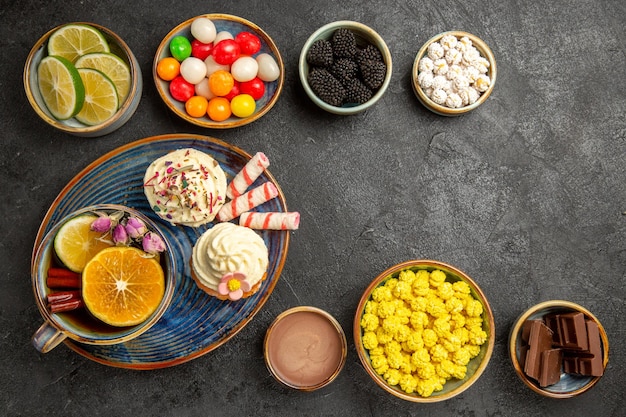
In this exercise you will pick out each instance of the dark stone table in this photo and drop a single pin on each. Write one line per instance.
(527, 195)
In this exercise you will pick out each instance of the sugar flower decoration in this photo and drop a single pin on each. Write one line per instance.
(234, 285)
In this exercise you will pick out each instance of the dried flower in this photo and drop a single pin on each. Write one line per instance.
(135, 227)
(234, 285)
(102, 224)
(120, 237)
(152, 243)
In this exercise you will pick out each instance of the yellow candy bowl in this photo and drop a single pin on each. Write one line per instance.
(418, 390)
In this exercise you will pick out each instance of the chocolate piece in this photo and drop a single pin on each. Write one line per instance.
(588, 363)
(569, 330)
(550, 367)
(539, 340)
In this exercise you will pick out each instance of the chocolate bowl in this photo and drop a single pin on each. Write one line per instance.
(78, 325)
(564, 384)
(305, 348)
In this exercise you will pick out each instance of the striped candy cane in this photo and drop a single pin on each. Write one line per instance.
(270, 220)
(250, 172)
(248, 201)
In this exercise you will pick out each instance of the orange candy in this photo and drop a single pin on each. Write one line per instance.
(196, 106)
(218, 109)
(221, 82)
(168, 68)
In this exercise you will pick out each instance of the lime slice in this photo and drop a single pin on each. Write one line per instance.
(61, 87)
(75, 243)
(74, 40)
(112, 66)
(101, 100)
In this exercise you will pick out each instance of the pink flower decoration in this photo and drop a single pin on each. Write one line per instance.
(234, 285)
(102, 224)
(152, 243)
(135, 227)
(120, 237)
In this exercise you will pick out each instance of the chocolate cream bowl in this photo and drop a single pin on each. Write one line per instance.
(305, 348)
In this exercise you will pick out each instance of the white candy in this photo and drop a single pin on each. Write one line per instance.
(448, 42)
(426, 64)
(202, 89)
(440, 67)
(435, 51)
(268, 68)
(193, 70)
(441, 82)
(244, 69)
(454, 101)
(203, 30)
(460, 83)
(425, 79)
(482, 83)
(453, 56)
(221, 36)
(212, 66)
(454, 72)
(439, 96)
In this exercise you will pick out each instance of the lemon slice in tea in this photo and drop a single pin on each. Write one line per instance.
(73, 40)
(122, 286)
(75, 243)
(101, 101)
(112, 66)
(60, 86)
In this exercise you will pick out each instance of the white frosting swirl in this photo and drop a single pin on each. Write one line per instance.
(228, 247)
(185, 187)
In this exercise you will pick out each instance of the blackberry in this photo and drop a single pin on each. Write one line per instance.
(344, 43)
(357, 92)
(373, 73)
(344, 69)
(370, 52)
(326, 87)
(320, 54)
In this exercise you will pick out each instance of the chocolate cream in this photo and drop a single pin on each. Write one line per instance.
(304, 349)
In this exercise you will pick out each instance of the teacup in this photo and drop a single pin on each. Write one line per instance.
(78, 324)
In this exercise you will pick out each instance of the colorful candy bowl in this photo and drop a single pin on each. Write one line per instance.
(77, 324)
(574, 373)
(364, 36)
(192, 71)
(438, 317)
(126, 105)
(444, 82)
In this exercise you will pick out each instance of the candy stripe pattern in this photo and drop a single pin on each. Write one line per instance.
(270, 220)
(246, 202)
(250, 172)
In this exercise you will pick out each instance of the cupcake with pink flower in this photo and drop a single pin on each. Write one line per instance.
(229, 261)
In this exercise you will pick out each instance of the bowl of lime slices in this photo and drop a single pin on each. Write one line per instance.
(83, 79)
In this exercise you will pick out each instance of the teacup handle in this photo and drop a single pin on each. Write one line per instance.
(47, 337)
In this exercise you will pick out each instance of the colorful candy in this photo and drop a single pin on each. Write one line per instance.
(217, 65)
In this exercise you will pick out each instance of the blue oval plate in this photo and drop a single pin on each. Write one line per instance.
(195, 323)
